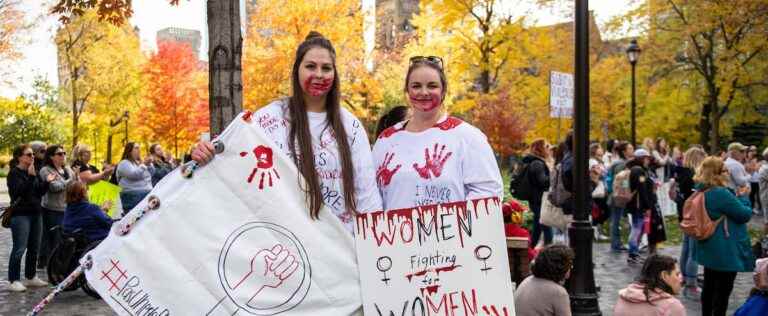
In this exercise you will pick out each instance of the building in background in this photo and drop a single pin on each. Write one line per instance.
(176, 34)
(393, 22)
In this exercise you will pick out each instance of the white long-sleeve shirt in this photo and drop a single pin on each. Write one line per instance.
(739, 175)
(449, 162)
(274, 120)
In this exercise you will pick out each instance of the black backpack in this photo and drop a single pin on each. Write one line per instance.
(520, 185)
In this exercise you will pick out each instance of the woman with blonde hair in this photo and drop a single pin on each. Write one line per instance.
(682, 180)
(88, 173)
(727, 251)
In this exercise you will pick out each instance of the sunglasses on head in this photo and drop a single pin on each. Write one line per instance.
(435, 60)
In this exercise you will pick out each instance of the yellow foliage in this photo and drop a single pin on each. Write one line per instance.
(272, 40)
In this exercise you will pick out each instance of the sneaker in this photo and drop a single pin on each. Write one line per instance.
(692, 293)
(36, 282)
(620, 249)
(16, 286)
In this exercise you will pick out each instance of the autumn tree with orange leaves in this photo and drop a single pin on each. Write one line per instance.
(177, 91)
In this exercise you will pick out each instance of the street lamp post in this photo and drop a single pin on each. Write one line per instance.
(633, 53)
(581, 284)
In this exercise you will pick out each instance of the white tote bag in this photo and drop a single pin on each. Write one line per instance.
(553, 216)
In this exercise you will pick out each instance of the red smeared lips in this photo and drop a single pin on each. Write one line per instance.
(426, 103)
(317, 87)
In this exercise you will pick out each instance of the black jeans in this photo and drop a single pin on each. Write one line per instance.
(538, 228)
(50, 238)
(754, 196)
(718, 286)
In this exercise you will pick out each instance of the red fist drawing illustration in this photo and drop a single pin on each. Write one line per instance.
(383, 173)
(268, 269)
(433, 164)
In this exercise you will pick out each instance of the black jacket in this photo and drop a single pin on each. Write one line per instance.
(25, 192)
(685, 187)
(641, 182)
(538, 174)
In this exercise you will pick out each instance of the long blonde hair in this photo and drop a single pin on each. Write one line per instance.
(712, 172)
(693, 158)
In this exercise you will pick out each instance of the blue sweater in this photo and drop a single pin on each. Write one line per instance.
(87, 217)
(721, 253)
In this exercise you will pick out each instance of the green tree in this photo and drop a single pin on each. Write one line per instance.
(717, 49)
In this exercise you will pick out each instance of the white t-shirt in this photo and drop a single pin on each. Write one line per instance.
(449, 162)
(274, 119)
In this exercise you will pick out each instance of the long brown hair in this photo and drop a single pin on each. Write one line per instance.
(650, 275)
(299, 131)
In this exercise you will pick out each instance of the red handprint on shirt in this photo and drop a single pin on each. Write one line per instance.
(433, 164)
(277, 264)
(384, 174)
(263, 155)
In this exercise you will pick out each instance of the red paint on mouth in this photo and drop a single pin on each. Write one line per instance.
(316, 86)
(426, 104)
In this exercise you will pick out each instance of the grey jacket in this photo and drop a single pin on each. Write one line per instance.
(134, 177)
(55, 198)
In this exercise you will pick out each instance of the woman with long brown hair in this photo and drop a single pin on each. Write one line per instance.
(327, 143)
(538, 177)
(433, 157)
(26, 222)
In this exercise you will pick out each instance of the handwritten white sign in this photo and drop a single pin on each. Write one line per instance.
(236, 238)
(448, 259)
(560, 94)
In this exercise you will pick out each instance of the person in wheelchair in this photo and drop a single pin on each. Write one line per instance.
(83, 217)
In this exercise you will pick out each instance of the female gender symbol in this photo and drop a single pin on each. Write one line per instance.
(384, 264)
(484, 252)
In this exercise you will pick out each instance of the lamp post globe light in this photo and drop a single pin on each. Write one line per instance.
(633, 54)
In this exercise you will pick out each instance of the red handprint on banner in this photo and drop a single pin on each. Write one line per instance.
(268, 269)
(383, 173)
(263, 155)
(433, 164)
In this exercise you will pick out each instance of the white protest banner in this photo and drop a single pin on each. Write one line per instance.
(560, 94)
(236, 238)
(449, 259)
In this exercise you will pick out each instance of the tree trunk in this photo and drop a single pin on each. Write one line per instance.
(705, 125)
(715, 138)
(75, 112)
(225, 88)
(485, 72)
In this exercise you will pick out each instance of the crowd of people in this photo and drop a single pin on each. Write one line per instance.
(417, 147)
(49, 198)
(645, 184)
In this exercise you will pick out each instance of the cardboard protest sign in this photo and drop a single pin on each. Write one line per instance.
(236, 238)
(103, 191)
(449, 259)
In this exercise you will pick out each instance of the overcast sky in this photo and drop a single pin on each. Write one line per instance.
(152, 15)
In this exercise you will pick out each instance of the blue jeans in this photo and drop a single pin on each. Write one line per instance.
(26, 233)
(688, 264)
(616, 215)
(636, 233)
(130, 199)
(50, 239)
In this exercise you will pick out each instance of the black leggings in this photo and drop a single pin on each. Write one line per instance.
(718, 286)
(754, 196)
